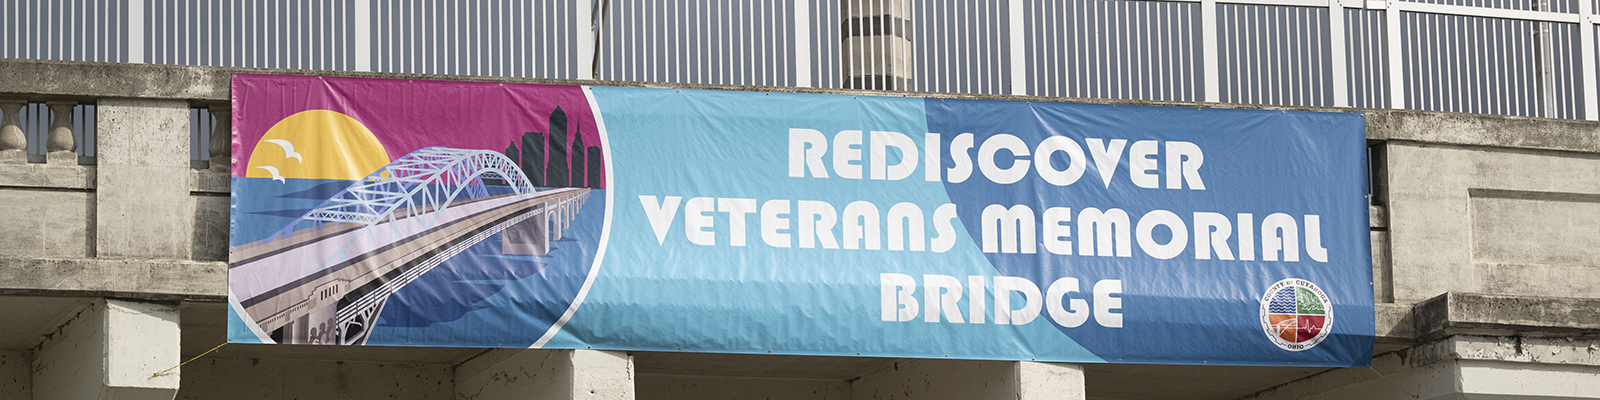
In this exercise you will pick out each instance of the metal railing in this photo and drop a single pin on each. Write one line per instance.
(1525, 57)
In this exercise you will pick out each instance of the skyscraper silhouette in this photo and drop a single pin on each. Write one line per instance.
(577, 157)
(595, 165)
(558, 174)
(516, 158)
(533, 157)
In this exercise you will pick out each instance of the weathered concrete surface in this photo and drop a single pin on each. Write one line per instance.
(143, 179)
(755, 365)
(1457, 312)
(111, 350)
(208, 201)
(549, 374)
(665, 386)
(46, 223)
(287, 378)
(1433, 221)
(16, 378)
(964, 379)
(1484, 130)
(127, 278)
(1465, 368)
(209, 239)
(47, 176)
(1519, 228)
(1041, 381)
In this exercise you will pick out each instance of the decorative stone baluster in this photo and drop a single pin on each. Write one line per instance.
(13, 144)
(61, 145)
(221, 139)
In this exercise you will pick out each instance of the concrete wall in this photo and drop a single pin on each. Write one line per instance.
(939, 379)
(1493, 220)
(16, 378)
(664, 386)
(273, 379)
(48, 210)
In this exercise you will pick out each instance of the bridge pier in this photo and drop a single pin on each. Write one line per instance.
(530, 237)
(549, 374)
(111, 350)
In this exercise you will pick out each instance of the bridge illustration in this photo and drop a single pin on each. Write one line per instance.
(324, 278)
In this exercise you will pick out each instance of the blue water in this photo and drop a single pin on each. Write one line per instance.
(482, 298)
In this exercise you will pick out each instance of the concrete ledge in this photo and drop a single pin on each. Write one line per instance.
(163, 280)
(47, 176)
(1484, 130)
(213, 181)
(1455, 313)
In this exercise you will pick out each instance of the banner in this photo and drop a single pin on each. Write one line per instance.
(429, 213)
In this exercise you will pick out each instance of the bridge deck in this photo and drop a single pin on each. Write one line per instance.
(324, 270)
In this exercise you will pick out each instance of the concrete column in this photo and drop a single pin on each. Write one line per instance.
(1040, 381)
(221, 139)
(505, 374)
(964, 379)
(61, 146)
(142, 198)
(13, 144)
(16, 378)
(877, 45)
(111, 350)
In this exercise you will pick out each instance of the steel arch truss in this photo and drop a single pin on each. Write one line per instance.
(425, 180)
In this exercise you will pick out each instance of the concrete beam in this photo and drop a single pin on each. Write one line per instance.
(126, 278)
(546, 374)
(111, 350)
(967, 379)
(1484, 130)
(1453, 313)
(143, 179)
(1460, 367)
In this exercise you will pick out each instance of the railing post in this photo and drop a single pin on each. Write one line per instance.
(221, 139)
(1397, 77)
(1591, 111)
(585, 31)
(802, 43)
(1336, 56)
(13, 143)
(135, 33)
(60, 144)
(1546, 62)
(1019, 49)
(1208, 50)
(363, 40)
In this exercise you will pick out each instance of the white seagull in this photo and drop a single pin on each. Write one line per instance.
(274, 172)
(288, 149)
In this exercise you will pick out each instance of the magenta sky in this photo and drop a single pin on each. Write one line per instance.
(407, 115)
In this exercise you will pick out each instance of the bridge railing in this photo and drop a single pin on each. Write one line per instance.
(1510, 57)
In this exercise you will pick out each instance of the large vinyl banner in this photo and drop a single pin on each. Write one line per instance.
(429, 213)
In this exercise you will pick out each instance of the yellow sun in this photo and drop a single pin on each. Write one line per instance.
(317, 144)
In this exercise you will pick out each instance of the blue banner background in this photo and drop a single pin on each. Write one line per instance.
(757, 298)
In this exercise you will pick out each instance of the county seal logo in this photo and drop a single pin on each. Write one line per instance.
(1296, 314)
